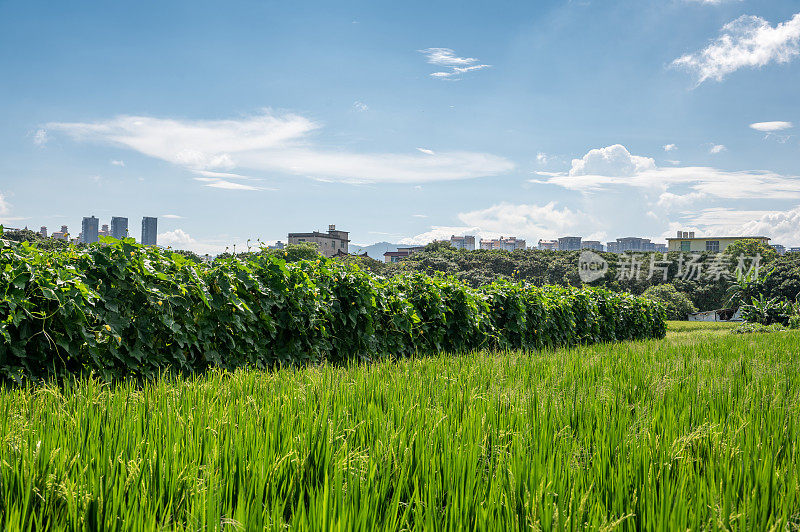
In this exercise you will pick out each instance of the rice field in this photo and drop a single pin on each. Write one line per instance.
(696, 431)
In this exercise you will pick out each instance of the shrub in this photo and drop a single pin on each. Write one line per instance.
(119, 308)
(677, 305)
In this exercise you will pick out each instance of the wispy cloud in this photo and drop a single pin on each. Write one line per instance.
(361, 107)
(268, 142)
(116, 162)
(717, 148)
(171, 216)
(670, 147)
(713, 2)
(748, 41)
(40, 137)
(455, 65)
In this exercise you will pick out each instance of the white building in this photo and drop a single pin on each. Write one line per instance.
(331, 243)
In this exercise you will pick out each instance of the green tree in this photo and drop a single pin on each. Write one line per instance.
(750, 247)
(677, 304)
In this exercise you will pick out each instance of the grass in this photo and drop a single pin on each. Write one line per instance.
(697, 431)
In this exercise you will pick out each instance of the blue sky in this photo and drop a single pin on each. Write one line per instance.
(405, 121)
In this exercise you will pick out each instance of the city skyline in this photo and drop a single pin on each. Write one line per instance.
(525, 120)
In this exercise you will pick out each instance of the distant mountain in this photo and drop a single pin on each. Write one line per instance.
(375, 251)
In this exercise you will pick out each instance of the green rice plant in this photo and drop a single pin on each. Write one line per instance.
(687, 433)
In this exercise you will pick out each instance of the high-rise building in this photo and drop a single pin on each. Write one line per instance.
(149, 230)
(569, 243)
(463, 242)
(119, 227)
(89, 227)
(43, 232)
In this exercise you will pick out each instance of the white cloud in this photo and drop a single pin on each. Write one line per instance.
(361, 107)
(439, 232)
(171, 216)
(269, 143)
(508, 219)
(783, 227)
(640, 172)
(717, 148)
(670, 147)
(5, 211)
(40, 137)
(116, 162)
(227, 185)
(613, 160)
(669, 201)
(446, 57)
(180, 239)
(748, 41)
(770, 127)
(419, 215)
(427, 151)
(523, 220)
(542, 158)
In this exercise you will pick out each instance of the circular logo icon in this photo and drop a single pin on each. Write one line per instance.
(591, 266)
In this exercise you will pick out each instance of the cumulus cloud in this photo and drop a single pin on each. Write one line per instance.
(782, 226)
(507, 219)
(268, 143)
(771, 127)
(446, 57)
(670, 147)
(613, 160)
(612, 167)
(542, 158)
(360, 106)
(180, 239)
(748, 41)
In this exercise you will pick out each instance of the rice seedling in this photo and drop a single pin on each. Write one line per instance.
(689, 432)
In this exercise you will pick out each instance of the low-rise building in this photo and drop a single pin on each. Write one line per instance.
(594, 245)
(329, 243)
(794, 250)
(569, 243)
(43, 231)
(63, 234)
(276, 245)
(548, 245)
(395, 256)
(463, 242)
(510, 243)
(779, 248)
(687, 242)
